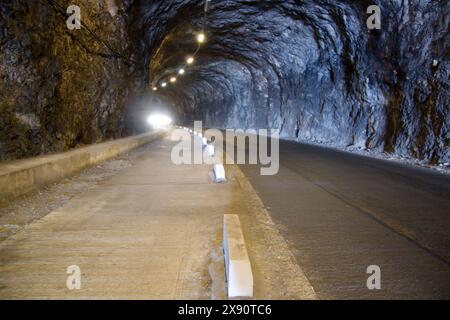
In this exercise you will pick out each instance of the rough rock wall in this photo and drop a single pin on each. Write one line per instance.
(308, 67)
(313, 69)
(61, 88)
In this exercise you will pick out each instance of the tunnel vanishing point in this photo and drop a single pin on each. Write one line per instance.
(348, 86)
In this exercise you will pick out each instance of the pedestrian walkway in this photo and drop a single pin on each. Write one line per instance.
(144, 234)
(152, 231)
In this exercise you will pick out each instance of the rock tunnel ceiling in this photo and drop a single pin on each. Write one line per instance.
(309, 68)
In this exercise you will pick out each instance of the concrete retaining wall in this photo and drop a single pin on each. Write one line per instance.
(22, 176)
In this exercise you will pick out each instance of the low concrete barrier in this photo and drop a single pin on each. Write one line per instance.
(22, 176)
(219, 172)
(237, 263)
(210, 149)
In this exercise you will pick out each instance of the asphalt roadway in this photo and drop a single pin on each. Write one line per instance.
(341, 213)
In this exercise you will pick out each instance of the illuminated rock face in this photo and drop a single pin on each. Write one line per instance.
(314, 70)
(310, 68)
(60, 88)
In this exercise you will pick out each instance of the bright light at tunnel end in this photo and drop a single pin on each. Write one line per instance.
(159, 120)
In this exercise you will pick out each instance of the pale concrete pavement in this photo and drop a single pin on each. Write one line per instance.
(153, 231)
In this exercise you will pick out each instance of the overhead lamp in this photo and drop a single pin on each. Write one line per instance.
(163, 84)
(190, 60)
(155, 88)
(181, 71)
(201, 37)
(173, 79)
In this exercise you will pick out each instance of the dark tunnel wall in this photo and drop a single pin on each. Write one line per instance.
(60, 88)
(310, 68)
(315, 71)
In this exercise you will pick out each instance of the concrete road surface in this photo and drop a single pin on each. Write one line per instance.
(140, 234)
(151, 230)
(341, 213)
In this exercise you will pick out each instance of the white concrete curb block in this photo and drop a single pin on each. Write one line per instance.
(219, 173)
(210, 149)
(237, 263)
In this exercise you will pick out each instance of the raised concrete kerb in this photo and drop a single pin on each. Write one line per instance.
(219, 172)
(237, 262)
(22, 176)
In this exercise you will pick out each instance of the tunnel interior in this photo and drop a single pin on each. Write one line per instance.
(310, 68)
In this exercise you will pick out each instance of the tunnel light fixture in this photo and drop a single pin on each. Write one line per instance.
(159, 120)
(155, 88)
(201, 37)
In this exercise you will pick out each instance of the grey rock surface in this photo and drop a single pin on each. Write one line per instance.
(315, 71)
(309, 68)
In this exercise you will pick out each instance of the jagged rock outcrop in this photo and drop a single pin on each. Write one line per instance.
(310, 68)
(61, 88)
(315, 71)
